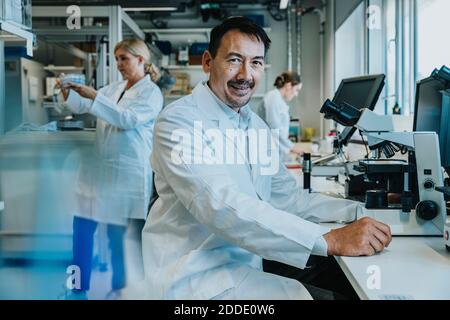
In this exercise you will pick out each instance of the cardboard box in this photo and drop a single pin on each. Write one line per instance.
(195, 60)
(181, 85)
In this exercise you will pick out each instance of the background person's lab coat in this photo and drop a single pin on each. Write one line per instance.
(275, 111)
(117, 184)
(212, 224)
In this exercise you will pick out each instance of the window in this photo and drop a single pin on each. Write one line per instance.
(433, 45)
(376, 50)
(391, 54)
(349, 46)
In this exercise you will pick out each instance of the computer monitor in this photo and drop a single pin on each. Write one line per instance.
(359, 92)
(432, 109)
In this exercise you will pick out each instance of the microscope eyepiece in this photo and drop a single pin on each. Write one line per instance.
(343, 113)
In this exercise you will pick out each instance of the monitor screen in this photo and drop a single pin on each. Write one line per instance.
(360, 92)
(432, 110)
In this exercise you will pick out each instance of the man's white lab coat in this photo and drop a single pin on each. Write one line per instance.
(207, 233)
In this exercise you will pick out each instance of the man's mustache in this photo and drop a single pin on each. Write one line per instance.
(242, 84)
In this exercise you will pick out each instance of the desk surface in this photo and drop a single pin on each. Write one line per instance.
(410, 269)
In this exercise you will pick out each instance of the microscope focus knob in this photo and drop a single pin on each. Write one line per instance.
(427, 210)
(429, 184)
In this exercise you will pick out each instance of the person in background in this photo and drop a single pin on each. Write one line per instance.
(118, 186)
(396, 110)
(274, 109)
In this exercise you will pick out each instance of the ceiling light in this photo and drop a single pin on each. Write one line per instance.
(283, 4)
(152, 9)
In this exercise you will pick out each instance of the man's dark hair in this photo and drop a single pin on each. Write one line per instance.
(242, 24)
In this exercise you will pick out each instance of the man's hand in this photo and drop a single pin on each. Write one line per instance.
(365, 237)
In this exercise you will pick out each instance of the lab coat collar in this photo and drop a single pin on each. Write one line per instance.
(123, 84)
(215, 109)
(241, 119)
(145, 79)
(210, 108)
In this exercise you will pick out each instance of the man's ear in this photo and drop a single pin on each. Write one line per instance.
(206, 61)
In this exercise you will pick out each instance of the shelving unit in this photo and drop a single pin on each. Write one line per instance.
(14, 32)
(205, 31)
(179, 96)
(181, 67)
(63, 68)
(195, 67)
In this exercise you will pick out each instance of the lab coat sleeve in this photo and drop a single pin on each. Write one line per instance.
(275, 121)
(288, 195)
(216, 201)
(320, 247)
(141, 110)
(78, 104)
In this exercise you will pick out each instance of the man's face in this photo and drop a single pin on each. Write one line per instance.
(237, 68)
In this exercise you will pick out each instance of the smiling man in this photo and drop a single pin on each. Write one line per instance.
(235, 65)
(216, 219)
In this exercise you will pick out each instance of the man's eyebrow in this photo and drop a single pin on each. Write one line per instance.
(235, 54)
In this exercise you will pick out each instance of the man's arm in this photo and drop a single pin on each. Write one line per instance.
(364, 237)
(361, 238)
(288, 195)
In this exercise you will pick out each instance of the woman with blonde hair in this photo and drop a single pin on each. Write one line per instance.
(118, 187)
(275, 110)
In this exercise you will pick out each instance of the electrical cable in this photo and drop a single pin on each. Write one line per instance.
(365, 145)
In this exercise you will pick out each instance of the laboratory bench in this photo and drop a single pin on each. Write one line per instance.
(38, 173)
(411, 268)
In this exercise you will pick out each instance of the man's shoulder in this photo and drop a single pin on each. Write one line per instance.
(184, 108)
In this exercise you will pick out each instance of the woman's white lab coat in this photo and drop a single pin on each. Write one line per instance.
(275, 112)
(213, 223)
(116, 183)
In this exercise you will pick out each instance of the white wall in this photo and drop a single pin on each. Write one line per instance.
(329, 77)
(2, 87)
(307, 105)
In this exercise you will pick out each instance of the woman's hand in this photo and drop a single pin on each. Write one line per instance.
(84, 91)
(58, 85)
(297, 150)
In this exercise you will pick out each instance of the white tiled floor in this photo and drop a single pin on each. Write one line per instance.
(46, 280)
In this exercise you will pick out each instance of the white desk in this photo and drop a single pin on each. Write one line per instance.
(415, 268)
(411, 268)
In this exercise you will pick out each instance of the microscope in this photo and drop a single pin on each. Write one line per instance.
(423, 208)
